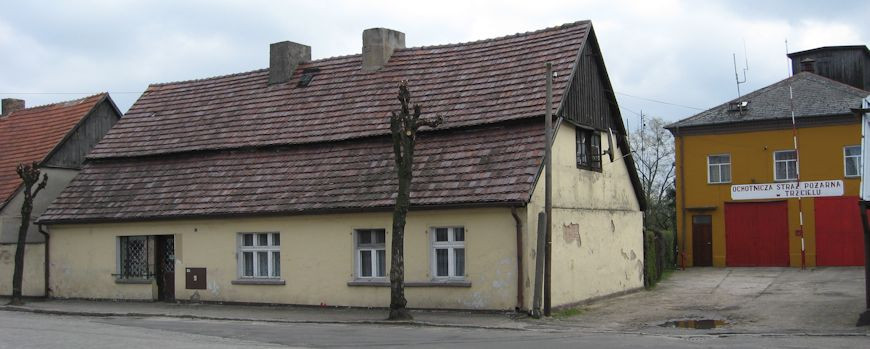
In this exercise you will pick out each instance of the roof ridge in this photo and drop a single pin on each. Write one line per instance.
(503, 37)
(77, 100)
(839, 84)
(206, 78)
(320, 60)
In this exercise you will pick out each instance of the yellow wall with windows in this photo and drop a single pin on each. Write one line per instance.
(821, 158)
(597, 226)
(317, 259)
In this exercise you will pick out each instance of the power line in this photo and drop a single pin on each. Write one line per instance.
(658, 101)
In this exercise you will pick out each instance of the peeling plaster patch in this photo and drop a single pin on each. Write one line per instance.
(639, 271)
(612, 226)
(528, 282)
(571, 233)
(477, 301)
(534, 253)
(624, 255)
(214, 288)
(5, 257)
(633, 255)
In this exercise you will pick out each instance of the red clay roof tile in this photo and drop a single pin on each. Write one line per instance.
(30, 134)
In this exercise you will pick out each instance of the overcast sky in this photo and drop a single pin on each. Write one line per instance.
(679, 52)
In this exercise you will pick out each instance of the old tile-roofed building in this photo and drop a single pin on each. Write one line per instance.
(471, 84)
(813, 96)
(277, 185)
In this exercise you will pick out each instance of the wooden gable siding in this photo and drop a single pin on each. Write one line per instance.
(587, 102)
(89, 132)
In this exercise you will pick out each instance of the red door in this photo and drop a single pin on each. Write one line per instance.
(756, 234)
(839, 236)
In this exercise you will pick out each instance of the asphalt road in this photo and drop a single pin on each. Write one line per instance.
(27, 330)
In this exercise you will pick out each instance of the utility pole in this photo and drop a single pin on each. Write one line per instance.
(548, 198)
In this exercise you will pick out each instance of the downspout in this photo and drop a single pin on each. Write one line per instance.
(519, 229)
(45, 271)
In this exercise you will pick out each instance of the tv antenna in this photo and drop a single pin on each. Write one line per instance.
(745, 68)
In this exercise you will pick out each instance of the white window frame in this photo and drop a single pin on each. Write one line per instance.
(270, 248)
(451, 245)
(718, 168)
(858, 163)
(373, 249)
(796, 164)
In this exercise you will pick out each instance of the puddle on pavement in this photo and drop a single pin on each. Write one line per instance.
(704, 324)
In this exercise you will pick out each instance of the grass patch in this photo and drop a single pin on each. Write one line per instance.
(568, 312)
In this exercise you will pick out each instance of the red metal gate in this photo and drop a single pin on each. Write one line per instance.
(839, 236)
(756, 234)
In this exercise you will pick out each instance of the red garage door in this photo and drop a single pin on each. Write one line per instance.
(839, 237)
(756, 234)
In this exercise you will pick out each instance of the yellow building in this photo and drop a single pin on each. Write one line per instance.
(277, 185)
(737, 168)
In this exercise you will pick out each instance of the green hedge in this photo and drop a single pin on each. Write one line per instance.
(658, 255)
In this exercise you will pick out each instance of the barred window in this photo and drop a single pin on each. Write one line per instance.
(133, 253)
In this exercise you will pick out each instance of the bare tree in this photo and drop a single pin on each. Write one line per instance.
(404, 126)
(30, 176)
(654, 147)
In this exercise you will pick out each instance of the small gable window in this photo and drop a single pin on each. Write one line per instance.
(588, 150)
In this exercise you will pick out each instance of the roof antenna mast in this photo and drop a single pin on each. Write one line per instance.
(745, 68)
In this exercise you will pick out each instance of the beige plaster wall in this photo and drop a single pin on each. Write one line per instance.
(10, 215)
(317, 258)
(597, 242)
(34, 265)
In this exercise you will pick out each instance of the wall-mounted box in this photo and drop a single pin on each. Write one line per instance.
(194, 278)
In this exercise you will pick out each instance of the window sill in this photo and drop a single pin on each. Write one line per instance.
(369, 283)
(452, 283)
(715, 183)
(439, 283)
(134, 281)
(277, 282)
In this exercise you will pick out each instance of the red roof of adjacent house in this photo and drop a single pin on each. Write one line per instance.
(31, 134)
(469, 83)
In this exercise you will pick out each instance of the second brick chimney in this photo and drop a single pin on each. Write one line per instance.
(10, 105)
(378, 45)
(284, 57)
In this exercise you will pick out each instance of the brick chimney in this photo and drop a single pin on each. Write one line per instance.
(11, 105)
(284, 57)
(378, 45)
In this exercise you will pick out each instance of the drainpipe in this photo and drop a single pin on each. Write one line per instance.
(45, 271)
(519, 229)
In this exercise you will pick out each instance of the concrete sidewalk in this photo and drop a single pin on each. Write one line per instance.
(273, 313)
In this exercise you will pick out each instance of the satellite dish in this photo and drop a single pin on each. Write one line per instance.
(610, 143)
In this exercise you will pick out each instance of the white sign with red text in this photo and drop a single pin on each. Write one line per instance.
(786, 190)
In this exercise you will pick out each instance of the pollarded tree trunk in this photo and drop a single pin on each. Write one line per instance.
(404, 126)
(30, 176)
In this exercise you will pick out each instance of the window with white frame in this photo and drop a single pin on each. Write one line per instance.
(719, 168)
(371, 253)
(260, 255)
(785, 165)
(448, 252)
(852, 160)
